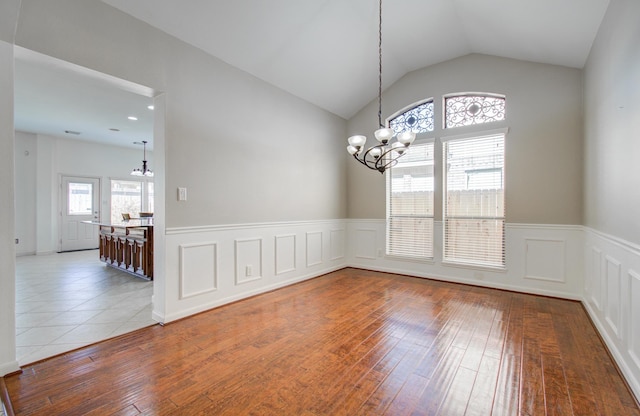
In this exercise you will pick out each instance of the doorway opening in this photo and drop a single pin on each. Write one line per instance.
(67, 297)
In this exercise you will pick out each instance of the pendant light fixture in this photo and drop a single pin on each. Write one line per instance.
(144, 171)
(385, 154)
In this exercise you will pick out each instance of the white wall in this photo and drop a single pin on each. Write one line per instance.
(26, 163)
(612, 185)
(40, 162)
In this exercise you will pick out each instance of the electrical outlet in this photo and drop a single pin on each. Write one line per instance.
(248, 271)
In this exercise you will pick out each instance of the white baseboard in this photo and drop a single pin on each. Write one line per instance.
(9, 368)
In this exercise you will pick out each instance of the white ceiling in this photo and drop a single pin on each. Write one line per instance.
(323, 51)
(326, 51)
(53, 96)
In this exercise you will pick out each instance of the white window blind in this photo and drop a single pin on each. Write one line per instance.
(474, 201)
(410, 190)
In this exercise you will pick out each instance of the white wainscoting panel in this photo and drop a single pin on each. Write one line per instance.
(206, 276)
(198, 271)
(634, 316)
(285, 253)
(545, 260)
(314, 248)
(337, 243)
(366, 243)
(612, 294)
(594, 277)
(248, 260)
(560, 248)
(612, 299)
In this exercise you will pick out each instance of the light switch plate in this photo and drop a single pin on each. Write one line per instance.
(182, 194)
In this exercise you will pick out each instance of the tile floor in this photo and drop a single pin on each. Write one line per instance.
(68, 300)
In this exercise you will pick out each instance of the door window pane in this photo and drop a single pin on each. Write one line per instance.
(80, 200)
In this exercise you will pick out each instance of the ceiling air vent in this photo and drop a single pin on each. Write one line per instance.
(72, 132)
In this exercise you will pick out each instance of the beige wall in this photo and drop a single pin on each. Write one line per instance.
(246, 151)
(8, 17)
(612, 124)
(7, 214)
(543, 148)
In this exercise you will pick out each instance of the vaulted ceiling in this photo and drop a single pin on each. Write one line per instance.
(326, 51)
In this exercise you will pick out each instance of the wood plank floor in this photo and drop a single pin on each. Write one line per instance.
(352, 342)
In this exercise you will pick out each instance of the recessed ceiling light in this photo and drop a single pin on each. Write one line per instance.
(114, 129)
(150, 107)
(132, 118)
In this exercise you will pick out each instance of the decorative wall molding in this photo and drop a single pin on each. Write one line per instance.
(612, 293)
(239, 261)
(551, 264)
(314, 248)
(545, 259)
(612, 298)
(337, 242)
(257, 225)
(366, 240)
(285, 253)
(633, 318)
(198, 269)
(248, 255)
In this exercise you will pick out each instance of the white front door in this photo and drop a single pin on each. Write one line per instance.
(80, 202)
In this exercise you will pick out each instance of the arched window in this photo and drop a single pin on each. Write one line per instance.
(410, 188)
(418, 119)
(468, 109)
(474, 214)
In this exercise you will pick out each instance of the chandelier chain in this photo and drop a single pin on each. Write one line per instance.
(380, 64)
(385, 154)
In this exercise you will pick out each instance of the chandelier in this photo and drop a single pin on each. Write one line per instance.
(144, 171)
(385, 154)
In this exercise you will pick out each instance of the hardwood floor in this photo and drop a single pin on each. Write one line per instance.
(352, 342)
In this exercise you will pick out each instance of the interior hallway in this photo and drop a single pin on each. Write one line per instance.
(69, 300)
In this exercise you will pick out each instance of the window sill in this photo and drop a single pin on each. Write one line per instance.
(424, 260)
(475, 266)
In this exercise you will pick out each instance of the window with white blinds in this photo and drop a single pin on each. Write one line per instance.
(474, 200)
(410, 189)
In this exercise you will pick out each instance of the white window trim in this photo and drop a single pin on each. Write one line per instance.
(475, 132)
(421, 138)
(479, 133)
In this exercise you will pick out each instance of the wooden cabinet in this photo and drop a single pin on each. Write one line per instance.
(128, 246)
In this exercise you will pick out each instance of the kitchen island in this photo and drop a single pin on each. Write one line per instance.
(128, 245)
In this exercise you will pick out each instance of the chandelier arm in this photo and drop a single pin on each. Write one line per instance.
(370, 161)
(384, 162)
(361, 161)
(391, 163)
